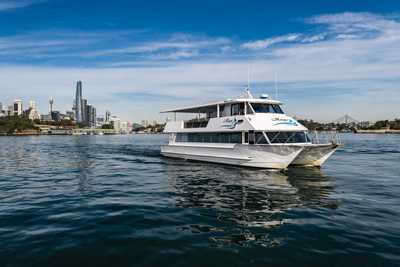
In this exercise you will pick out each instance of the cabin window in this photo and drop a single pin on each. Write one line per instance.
(196, 123)
(266, 108)
(233, 138)
(234, 109)
(287, 137)
(308, 138)
(221, 111)
(260, 138)
(237, 109)
(277, 109)
(251, 138)
(249, 110)
(181, 138)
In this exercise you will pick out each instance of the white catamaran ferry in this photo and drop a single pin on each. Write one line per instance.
(246, 131)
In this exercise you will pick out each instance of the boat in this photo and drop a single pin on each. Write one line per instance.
(245, 131)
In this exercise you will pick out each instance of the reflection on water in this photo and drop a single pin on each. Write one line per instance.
(82, 161)
(245, 200)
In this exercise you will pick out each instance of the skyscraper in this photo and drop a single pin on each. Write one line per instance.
(91, 116)
(108, 116)
(85, 112)
(78, 105)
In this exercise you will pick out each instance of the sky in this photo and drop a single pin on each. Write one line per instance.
(136, 58)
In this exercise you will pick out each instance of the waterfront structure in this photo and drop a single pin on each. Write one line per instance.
(18, 107)
(145, 123)
(78, 103)
(45, 117)
(246, 131)
(90, 115)
(55, 115)
(69, 115)
(2, 112)
(126, 127)
(10, 110)
(116, 123)
(93, 117)
(51, 102)
(84, 113)
(108, 116)
(33, 113)
(364, 124)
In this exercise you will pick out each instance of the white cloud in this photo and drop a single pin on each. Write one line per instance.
(313, 38)
(13, 4)
(261, 44)
(362, 24)
(181, 44)
(175, 55)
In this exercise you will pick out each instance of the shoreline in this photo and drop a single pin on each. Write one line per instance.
(67, 134)
(378, 131)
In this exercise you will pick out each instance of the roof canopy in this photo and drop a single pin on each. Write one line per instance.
(205, 108)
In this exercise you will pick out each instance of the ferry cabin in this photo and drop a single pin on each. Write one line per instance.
(237, 121)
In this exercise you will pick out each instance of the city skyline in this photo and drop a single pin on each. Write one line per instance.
(330, 60)
(82, 112)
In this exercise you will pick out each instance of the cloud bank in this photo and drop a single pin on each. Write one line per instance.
(345, 63)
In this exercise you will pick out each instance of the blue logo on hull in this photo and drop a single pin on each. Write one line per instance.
(231, 123)
(289, 122)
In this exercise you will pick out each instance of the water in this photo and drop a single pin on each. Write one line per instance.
(114, 201)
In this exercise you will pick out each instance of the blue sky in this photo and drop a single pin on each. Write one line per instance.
(137, 57)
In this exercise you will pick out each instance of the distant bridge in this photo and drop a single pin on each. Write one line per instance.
(346, 119)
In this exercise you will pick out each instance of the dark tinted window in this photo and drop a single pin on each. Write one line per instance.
(234, 138)
(266, 108)
(277, 109)
(252, 137)
(237, 109)
(287, 137)
(260, 138)
(248, 109)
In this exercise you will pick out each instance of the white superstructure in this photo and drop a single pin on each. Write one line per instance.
(246, 131)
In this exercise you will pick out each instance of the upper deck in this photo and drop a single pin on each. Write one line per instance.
(205, 108)
(240, 114)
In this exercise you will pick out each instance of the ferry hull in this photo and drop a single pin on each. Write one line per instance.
(314, 155)
(267, 157)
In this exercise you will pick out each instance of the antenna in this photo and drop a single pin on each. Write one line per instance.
(276, 86)
(247, 90)
(248, 76)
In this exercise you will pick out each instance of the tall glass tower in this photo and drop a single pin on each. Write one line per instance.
(78, 103)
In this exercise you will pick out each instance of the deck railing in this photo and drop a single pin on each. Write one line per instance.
(324, 137)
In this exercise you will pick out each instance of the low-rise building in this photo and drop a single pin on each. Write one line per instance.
(116, 123)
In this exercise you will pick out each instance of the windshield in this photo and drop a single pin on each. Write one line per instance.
(266, 108)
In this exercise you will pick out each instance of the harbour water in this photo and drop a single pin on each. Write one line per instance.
(114, 201)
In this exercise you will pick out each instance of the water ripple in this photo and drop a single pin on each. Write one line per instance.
(114, 201)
